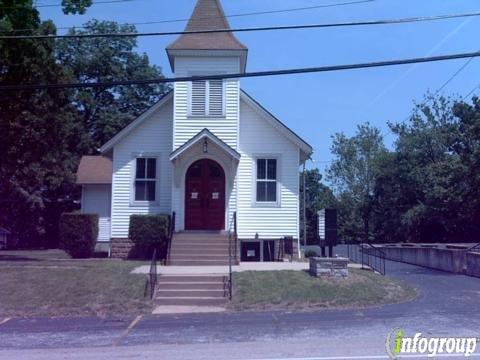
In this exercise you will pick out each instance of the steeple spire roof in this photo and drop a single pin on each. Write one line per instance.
(207, 15)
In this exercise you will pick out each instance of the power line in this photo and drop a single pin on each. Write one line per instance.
(244, 75)
(439, 90)
(58, 5)
(268, 28)
(226, 16)
(471, 92)
(454, 76)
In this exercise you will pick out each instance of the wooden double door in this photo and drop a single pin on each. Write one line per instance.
(205, 196)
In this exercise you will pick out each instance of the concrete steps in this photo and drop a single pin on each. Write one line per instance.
(196, 262)
(190, 293)
(191, 290)
(191, 278)
(199, 301)
(199, 249)
(193, 286)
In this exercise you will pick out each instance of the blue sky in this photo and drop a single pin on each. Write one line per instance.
(319, 105)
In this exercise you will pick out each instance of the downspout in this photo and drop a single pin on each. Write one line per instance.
(304, 213)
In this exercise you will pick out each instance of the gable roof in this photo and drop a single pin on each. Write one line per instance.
(94, 170)
(205, 134)
(265, 114)
(276, 123)
(110, 143)
(207, 15)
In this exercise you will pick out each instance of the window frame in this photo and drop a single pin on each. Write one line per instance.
(255, 202)
(133, 177)
(207, 98)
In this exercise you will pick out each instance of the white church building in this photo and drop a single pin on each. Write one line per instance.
(205, 151)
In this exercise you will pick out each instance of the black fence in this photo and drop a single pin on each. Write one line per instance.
(367, 255)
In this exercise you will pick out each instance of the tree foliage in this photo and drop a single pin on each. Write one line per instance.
(105, 111)
(427, 189)
(45, 132)
(353, 173)
(317, 196)
(40, 135)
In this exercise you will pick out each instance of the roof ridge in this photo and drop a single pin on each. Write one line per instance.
(207, 15)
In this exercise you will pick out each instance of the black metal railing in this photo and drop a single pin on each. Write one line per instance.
(171, 231)
(232, 253)
(367, 255)
(152, 275)
(475, 248)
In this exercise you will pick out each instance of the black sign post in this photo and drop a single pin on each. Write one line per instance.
(327, 230)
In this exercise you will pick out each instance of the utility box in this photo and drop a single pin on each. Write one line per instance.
(327, 227)
(250, 251)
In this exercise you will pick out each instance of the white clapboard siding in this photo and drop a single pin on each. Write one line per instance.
(258, 137)
(226, 126)
(104, 229)
(96, 199)
(152, 137)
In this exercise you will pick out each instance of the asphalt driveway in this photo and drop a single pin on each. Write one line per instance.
(447, 304)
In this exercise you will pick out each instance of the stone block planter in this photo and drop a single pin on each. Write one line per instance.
(329, 267)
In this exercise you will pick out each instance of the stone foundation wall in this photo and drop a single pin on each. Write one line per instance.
(473, 264)
(453, 258)
(121, 248)
(450, 260)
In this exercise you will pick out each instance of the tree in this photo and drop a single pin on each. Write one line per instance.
(317, 196)
(45, 132)
(105, 111)
(40, 134)
(428, 189)
(353, 174)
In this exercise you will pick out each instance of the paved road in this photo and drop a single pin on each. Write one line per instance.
(447, 305)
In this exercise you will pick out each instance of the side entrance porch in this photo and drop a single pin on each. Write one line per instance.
(204, 194)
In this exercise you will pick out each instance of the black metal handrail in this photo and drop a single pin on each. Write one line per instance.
(367, 255)
(152, 274)
(171, 231)
(232, 252)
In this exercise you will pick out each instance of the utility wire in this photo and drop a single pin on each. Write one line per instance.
(268, 28)
(226, 16)
(243, 75)
(57, 5)
(471, 92)
(438, 91)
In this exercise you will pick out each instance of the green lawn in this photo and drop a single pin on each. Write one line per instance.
(48, 283)
(299, 290)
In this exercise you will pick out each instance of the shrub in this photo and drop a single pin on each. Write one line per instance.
(149, 232)
(78, 234)
(310, 253)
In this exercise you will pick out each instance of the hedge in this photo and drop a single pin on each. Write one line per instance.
(149, 232)
(78, 234)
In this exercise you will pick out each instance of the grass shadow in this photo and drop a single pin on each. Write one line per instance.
(17, 258)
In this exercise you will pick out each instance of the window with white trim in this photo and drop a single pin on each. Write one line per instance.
(207, 98)
(266, 181)
(145, 179)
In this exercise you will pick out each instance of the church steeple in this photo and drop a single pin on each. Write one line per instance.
(208, 15)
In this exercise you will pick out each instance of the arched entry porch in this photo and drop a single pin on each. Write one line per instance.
(205, 199)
